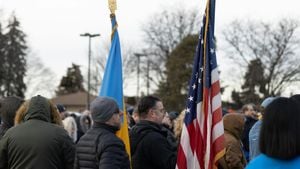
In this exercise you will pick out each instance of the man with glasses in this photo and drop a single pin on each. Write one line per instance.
(150, 148)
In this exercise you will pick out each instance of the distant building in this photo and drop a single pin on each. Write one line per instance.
(74, 102)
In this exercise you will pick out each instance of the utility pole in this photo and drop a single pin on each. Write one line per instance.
(148, 84)
(138, 55)
(90, 36)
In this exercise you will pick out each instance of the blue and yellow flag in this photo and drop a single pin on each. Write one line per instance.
(112, 83)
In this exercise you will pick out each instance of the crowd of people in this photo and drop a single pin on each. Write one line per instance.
(36, 134)
(263, 137)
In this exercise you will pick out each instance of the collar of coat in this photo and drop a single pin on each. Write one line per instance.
(110, 128)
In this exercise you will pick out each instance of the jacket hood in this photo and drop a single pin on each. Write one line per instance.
(234, 124)
(39, 108)
(8, 108)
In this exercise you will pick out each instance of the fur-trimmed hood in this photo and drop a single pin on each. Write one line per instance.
(38, 108)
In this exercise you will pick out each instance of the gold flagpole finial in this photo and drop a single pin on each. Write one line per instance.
(112, 6)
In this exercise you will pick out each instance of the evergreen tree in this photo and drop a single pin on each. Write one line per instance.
(254, 85)
(2, 40)
(72, 82)
(173, 90)
(13, 57)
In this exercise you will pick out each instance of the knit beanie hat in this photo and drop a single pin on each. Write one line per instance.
(103, 108)
(61, 108)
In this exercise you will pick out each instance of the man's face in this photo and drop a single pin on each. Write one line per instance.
(135, 116)
(158, 112)
(167, 121)
(250, 111)
(115, 119)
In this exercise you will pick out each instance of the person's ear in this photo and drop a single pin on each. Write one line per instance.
(151, 112)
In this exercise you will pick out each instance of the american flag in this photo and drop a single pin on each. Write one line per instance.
(202, 137)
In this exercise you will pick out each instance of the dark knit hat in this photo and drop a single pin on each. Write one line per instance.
(103, 108)
(173, 115)
(60, 108)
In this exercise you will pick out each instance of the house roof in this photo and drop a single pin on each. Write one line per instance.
(74, 99)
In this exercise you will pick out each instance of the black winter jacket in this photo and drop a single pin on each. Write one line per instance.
(3, 128)
(245, 136)
(100, 148)
(37, 143)
(150, 148)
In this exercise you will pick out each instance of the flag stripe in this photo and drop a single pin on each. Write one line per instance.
(216, 101)
(215, 75)
(200, 117)
(183, 163)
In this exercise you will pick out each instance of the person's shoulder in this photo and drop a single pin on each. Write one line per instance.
(109, 138)
(263, 161)
(295, 163)
(6, 134)
(154, 136)
(58, 130)
(297, 160)
(55, 127)
(257, 124)
(14, 129)
(258, 162)
(231, 139)
(255, 128)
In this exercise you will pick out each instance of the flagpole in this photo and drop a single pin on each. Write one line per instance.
(90, 36)
(112, 83)
(205, 39)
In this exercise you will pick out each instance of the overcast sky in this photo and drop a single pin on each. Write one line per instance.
(53, 26)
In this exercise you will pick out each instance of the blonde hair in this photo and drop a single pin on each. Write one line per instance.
(22, 111)
(178, 122)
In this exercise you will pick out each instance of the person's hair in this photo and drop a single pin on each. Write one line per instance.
(145, 104)
(245, 107)
(55, 116)
(296, 97)
(279, 135)
(178, 123)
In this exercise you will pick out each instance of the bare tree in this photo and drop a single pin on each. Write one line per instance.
(275, 46)
(39, 79)
(163, 32)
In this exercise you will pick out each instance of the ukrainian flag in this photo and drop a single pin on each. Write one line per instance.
(112, 83)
